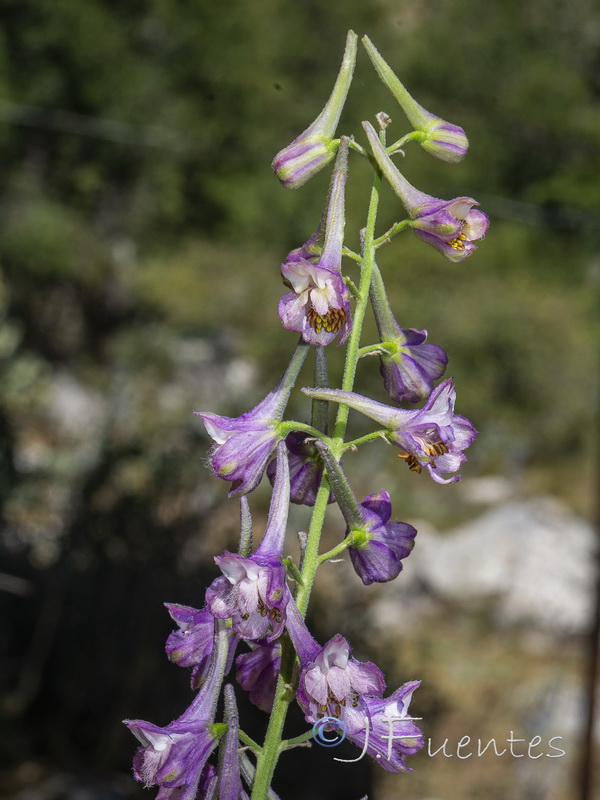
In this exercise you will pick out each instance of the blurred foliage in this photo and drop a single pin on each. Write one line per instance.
(140, 241)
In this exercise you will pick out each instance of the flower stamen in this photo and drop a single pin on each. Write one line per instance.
(332, 321)
(412, 462)
(458, 243)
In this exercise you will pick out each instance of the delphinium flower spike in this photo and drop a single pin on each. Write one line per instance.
(451, 226)
(315, 147)
(440, 138)
(317, 305)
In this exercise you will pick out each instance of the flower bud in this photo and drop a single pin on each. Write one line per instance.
(316, 147)
(441, 139)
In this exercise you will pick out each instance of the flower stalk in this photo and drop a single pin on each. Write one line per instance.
(261, 598)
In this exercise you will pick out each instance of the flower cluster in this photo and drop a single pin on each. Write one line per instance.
(259, 600)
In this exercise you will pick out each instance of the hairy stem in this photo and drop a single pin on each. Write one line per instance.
(267, 760)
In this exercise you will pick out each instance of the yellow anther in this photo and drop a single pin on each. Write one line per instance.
(332, 321)
(412, 462)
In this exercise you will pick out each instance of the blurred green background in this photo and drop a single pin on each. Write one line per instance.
(141, 233)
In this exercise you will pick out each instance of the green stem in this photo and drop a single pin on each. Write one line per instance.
(267, 760)
(249, 742)
(291, 425)
(291, 374)
(368, 437)
(386, 322)
(287, 744)
(359, 311)
(413, 136)
(320, 408)
(335, 551)
(396, 228)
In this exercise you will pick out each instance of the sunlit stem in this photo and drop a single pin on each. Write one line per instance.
(369, 437)
(388, 235)
(249, 742)
(267, 760)
(412, 136)
(320, 408)
(337, 550)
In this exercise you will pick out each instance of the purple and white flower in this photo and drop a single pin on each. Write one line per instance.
(317, 307)
(390, 733)
(408, 365)
(174, 757)
(332, 683)
(451, 226)
(315, 147)
(441, 139)
(257, 673)
(192, 644)
(433, 436)
(244, 445)
(306, 469)
(252, 591)
(318, 304)
(381, 545)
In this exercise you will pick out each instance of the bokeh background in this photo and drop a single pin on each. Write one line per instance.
(141, 232)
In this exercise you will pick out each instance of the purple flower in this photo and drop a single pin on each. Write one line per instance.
(451, 226)
(317, 305)
(174, 757)
(315, 147)
(390, 734)
(257, 673)
(439, 138)
(306, 469)
(408, 365)
(433, 436)
(244, 445)
(253, 591)
(192, 645)
(378, 558)
(332, 684)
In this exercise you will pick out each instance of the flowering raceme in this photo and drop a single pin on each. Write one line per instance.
(260, 599)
